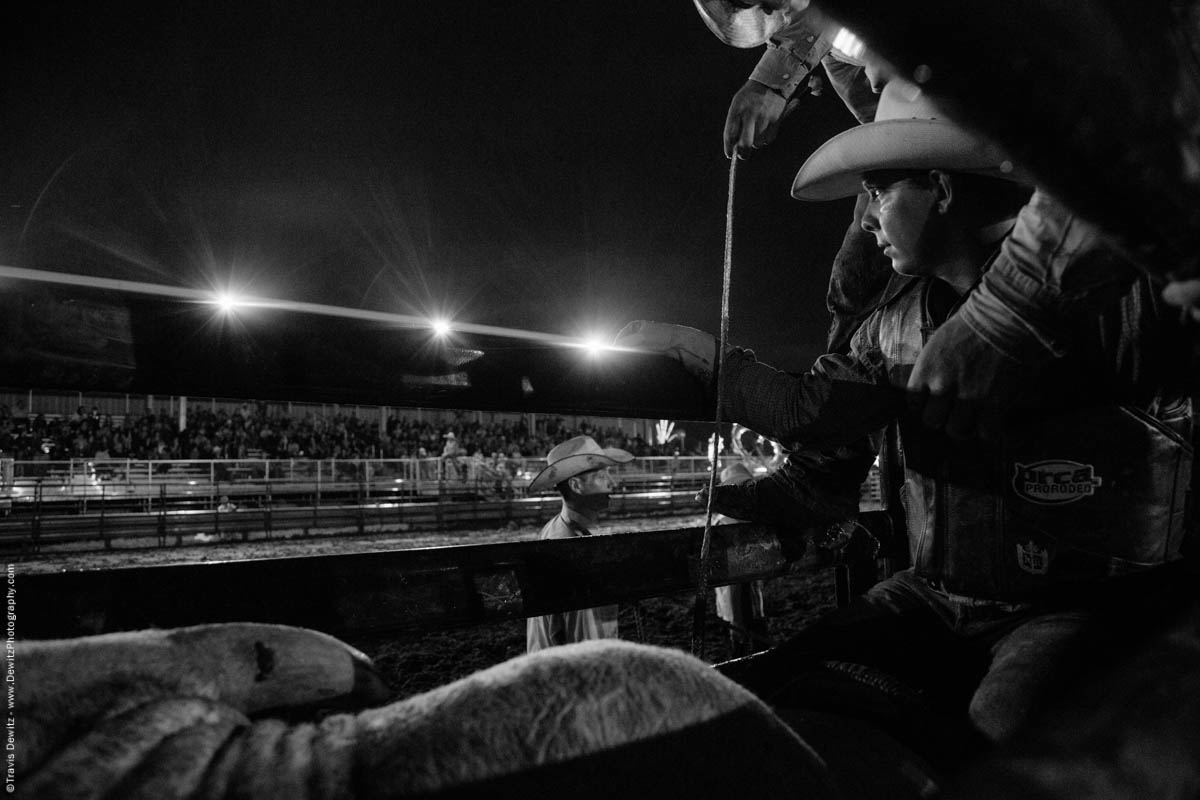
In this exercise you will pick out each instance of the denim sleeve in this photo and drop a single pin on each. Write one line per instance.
(851, 84)
(791, 55)
(837, 402)
(1053, 272)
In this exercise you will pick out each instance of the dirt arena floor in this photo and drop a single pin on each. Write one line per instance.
(412, 663)
(418, 662)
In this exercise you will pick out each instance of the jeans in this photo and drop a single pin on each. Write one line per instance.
(1018, 654)
(989, 664)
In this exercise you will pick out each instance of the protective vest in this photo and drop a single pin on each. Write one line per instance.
(1076, 495)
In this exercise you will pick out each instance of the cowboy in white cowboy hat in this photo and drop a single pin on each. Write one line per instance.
(1032, 568)
(943, 195)
(578, 468)
(910, 154)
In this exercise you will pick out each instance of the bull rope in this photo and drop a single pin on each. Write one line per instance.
(705, 565)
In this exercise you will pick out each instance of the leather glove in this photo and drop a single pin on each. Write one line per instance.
(770, 500)
(810, 488)
(960, 384)
(694, 349)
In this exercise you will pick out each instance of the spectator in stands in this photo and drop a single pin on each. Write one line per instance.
(578, 468)
(260, 434)
(451, 456)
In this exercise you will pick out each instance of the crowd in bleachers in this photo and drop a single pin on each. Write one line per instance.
(254, 431)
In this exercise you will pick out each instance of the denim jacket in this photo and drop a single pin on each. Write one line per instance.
(795, 51)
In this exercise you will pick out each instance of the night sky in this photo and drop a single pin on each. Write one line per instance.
(554, 167)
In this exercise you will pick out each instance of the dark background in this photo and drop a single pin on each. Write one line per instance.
(544, 166)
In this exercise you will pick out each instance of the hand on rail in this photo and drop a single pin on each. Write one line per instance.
(694, 349)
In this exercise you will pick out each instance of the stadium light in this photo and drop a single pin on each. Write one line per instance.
(595, 345)
(228, 302)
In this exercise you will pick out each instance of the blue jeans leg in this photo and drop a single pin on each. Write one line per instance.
(1027, 663)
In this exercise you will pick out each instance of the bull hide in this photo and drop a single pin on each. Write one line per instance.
(172, 714)
(1132, 731)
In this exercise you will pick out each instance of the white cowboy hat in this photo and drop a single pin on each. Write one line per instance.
(908, 133)
(743, 23)
(574, 456)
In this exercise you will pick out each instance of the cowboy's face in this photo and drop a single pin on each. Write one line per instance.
(592, 489)
(595, 482)
(900, 215)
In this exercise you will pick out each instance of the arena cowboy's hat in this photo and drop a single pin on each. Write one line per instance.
(908, 133)
(573, 457)
(743, 23)
(736, 474)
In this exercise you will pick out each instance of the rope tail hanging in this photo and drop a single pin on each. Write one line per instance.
(698, 608)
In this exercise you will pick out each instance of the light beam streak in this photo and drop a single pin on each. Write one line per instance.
(213, 298)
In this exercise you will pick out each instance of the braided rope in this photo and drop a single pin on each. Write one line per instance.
(698, 608)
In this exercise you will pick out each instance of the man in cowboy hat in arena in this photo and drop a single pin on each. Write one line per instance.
(451, 458)
(1023, 553)
(578, 468)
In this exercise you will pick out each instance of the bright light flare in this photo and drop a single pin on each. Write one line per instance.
(440, 326)
(228, 302)
(596, 345)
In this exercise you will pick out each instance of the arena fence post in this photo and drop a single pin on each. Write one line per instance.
(441, 495)
(268, 525)
(316, 501)
(162, 515)
(36, 526)
(359, 505)
(216, 514)
(103, 532)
